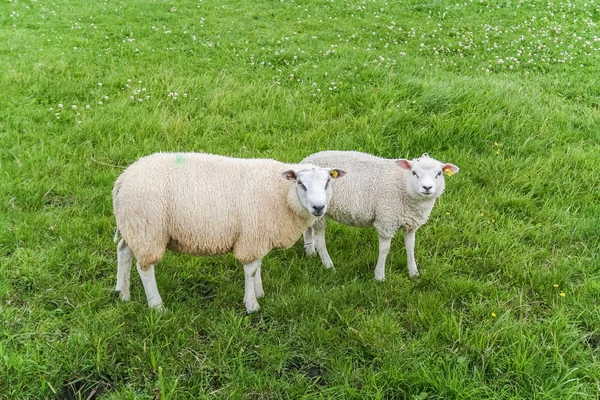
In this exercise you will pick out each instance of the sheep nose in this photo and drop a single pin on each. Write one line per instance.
(427, 188)
(318, 210)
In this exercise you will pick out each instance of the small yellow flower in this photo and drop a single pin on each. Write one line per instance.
(496, 144)
(555, 285)
(493, 220)
(493, 315)
(447, 213)
(481, 214)
(562, 294)
(498, 151)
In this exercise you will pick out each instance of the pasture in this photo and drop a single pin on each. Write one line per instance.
(506, 306)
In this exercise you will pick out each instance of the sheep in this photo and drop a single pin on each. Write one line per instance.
(382, 193)
(204, 204)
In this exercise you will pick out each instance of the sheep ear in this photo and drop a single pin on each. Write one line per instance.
(336, 173)
(290, 175)
(450, 169)
(404, 164)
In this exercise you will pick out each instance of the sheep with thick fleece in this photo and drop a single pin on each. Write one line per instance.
(382, 193)
(205, 204)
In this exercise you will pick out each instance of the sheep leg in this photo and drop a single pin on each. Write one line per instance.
(149, 281)
(309, 241)
(124, 259)
(384, 249)
(250, 301)
(319, 237)
(258, 288)
(409, 243)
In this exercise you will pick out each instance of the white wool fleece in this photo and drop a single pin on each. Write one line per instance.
(388, 194)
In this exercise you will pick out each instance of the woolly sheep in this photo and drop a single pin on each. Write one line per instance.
(381, 193)
(205, 204)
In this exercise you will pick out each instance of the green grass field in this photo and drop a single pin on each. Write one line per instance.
(506, 306)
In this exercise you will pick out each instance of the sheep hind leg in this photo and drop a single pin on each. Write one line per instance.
(124, 259)
(250, 300)
(149, 281)
(319, 234)
(309, 241)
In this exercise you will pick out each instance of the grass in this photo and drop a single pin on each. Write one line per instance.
(507, 90)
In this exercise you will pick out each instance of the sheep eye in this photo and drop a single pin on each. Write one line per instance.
(326, 185)
(302, 186)
(438, 175)
(415, 174)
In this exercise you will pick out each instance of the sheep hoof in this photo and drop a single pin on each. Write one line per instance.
(122, 295)
(414, 274)
(380, 278)
(309, 250)
(252, 307)
(156, 305)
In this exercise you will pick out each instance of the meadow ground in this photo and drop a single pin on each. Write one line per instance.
(506, 306)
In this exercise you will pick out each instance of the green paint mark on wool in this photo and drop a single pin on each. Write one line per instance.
(179, 159)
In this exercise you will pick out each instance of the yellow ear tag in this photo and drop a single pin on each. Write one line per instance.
(334, 174)
(448, 171)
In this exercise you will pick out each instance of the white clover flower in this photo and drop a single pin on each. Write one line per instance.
(87, 106)
(60, 106)
(74, 107)
(100, 103)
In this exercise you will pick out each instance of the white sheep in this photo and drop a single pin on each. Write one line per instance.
(381, 193)
(205, 204)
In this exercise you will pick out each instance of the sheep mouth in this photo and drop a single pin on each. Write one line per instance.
(317, 213)
(427, 194)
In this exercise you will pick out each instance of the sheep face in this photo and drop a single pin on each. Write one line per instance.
(426, 178)
(313, 187)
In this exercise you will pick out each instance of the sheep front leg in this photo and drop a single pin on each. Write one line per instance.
(250, 271)
(409, 243)
(258, 287)
(309, 241)
(149, 281)
(384, 249)
(124, 259)
(321, 245)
